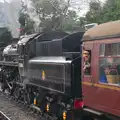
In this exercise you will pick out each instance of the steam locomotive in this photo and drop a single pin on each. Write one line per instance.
(43, 70)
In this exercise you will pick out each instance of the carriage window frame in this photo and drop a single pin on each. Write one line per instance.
(103, 47)
(102, 55)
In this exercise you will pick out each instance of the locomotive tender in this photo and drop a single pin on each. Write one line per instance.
(45, 73)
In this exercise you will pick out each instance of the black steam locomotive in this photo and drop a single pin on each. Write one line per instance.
(43, 70)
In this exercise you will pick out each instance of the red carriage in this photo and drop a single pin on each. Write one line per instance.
(101, 82)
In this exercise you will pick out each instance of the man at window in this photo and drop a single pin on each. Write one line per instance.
(86, 64)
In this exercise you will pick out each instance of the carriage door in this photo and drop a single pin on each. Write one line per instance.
(87, 62)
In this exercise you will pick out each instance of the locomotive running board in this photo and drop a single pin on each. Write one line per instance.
(3, 116)
(92, 111)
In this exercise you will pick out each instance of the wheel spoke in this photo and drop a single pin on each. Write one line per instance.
(16, 93)
(27, 98)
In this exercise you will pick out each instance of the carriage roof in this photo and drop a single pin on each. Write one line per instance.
(102, 31)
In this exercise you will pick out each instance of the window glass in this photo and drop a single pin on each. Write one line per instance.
(110, 64)
(112, 49)
(110, 70)
(118, 48)
(102, 49)
(87, 62)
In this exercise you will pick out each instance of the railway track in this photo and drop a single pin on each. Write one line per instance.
(3, 116)
(16, 110)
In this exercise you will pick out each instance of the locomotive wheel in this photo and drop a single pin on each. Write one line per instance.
(16, 92)
(10, 89)
(27, 98)
(2, 87)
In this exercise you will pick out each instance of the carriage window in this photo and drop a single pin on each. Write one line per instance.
(110, 64)
(111, 49)
(118, 49)
(110, 70)
(102, 49)
(87, 62)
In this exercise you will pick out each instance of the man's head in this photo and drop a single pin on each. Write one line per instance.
(85, 53)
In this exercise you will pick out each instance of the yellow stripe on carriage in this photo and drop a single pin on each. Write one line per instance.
(100, 85)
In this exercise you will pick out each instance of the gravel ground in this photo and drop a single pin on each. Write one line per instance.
(16, 112)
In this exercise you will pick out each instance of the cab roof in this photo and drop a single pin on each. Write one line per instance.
(102, 31)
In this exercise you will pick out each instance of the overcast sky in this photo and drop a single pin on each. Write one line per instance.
(5, 0)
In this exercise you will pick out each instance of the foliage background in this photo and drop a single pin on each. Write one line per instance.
(58, 14)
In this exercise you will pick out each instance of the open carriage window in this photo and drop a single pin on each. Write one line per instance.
(87, 62)
(110, 64)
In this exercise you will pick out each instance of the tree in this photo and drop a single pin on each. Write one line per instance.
(70, 20)
(5, 36)
(82, 21)
(93, 15)
(54, 14)
(26, 23)
(29, 26)
(110, 11)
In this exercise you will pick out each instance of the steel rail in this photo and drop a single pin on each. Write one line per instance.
(3, 116)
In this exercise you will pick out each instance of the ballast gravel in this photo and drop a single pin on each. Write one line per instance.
(16, 111)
